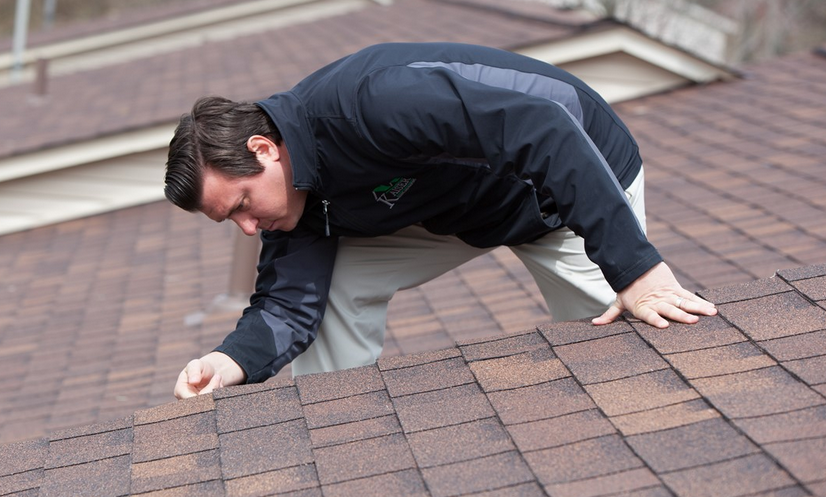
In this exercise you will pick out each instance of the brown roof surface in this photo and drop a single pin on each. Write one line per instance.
(115, 18)
(736, 172)
(98, 315)
(159, 89)
(731, 406)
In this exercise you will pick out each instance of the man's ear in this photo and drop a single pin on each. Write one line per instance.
(262, 146)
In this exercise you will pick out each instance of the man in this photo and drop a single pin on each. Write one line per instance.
(398, 163)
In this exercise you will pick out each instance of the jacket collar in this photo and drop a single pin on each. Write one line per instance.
(290, 117)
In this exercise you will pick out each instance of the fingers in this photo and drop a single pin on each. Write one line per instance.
(675, 311)
(657, 311)
(681, 309)
(653, 315)
(183, 390)
(608, 316)
(215, 382)
(657, 296)
(197, 378)
(693, 304)
(195, 372)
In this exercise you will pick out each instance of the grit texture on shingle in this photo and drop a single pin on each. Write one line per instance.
(507, 415)
(116, 304)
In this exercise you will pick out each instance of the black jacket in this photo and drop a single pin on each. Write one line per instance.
(494, 147)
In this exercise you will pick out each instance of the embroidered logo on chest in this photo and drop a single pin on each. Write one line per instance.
(390, 194)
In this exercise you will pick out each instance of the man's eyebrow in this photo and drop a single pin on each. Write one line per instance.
(220, 218)
(233, 209)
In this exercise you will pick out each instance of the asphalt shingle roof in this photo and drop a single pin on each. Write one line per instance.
(98, 316)
(735, 172)
(731, 406)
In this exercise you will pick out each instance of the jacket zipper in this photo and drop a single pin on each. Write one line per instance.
(324, 204)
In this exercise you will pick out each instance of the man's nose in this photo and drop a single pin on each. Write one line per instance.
(248, 225)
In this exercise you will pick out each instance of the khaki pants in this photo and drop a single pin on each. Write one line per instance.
(369, 271)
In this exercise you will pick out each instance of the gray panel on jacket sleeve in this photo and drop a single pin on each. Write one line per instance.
(533, 84)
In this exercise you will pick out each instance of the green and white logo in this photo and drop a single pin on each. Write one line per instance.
(390, 194)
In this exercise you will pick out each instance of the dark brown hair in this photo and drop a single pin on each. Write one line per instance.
(213, 135)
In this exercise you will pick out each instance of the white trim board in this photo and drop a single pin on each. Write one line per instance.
(85, 152)
(81, 191)
(627, 40)
(174, 34)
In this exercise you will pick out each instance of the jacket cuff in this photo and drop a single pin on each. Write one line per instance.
(644, 263)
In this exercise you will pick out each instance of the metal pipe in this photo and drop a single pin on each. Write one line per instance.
(21, 26)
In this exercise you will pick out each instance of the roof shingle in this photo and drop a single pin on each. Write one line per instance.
(513, 413)
(114, 306)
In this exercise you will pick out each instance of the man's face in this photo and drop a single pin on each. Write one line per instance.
(266, 201)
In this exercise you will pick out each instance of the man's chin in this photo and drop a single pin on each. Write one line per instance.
(282, 225)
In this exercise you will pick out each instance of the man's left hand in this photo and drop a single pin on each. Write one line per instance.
(655, 296)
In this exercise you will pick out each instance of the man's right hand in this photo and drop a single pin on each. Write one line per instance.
(214, 370)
